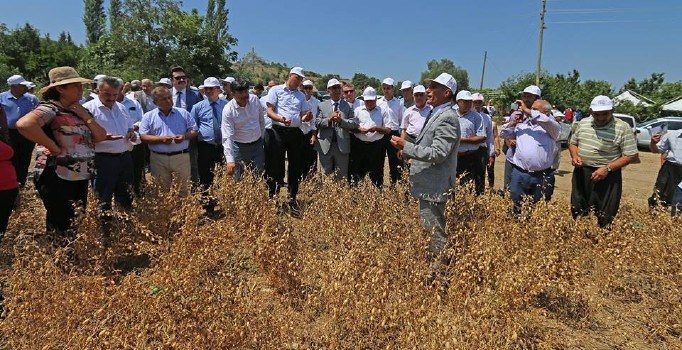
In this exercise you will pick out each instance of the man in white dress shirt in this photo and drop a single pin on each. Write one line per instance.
(374, 123)
(243, 130)
(113, 161)
(395, 110)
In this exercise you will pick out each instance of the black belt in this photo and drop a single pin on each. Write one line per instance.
(539, 172)
(247, 143)
(412, 136)
(105, 154)
(466, 153)
(211, 144)
(172, 153)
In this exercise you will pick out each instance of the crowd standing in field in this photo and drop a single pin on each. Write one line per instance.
(183, 133)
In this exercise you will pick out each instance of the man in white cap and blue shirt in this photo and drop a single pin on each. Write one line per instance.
(334, 121)
(16, 103)
(600, 147)
(489, 145)
(395, 108)
(287, 107)
(309, 130)
(408, 94)
(369, 150)
(207, 115)
(535, 131)
(470, 167)
(434, 162)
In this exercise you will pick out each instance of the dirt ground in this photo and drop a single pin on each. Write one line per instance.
(638, 179)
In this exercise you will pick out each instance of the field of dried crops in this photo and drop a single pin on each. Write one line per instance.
(348, 274)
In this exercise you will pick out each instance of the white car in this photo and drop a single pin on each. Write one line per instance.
(643, 130)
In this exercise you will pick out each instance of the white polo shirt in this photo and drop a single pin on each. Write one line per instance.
(115, 121)
(376, 117)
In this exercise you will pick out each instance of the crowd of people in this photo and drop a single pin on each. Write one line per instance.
(439, 134)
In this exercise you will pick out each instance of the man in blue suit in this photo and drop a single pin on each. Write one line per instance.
(184, 97)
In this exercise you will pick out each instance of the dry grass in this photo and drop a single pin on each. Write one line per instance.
(349, 274)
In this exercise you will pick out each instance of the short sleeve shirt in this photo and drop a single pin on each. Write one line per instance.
(287, 103)
(600, 145)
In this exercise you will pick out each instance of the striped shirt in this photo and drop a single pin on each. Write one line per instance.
(600, 145)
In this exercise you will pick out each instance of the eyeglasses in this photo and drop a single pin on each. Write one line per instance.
(182, 77)
(348, 91)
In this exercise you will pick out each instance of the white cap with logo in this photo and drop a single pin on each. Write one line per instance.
(15, 80)
(333, 82)
(369, 94)
(464, 95)
(298, 71)
(601, 103)
(446, 80)
(533, 89)
(308, 83)
(477, 96)
(419, 89)
(211, 82)
(406, 85)
(229, 80)
(388, 81)
(165, 81)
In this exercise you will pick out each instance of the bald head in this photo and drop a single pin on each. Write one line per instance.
(542, 106)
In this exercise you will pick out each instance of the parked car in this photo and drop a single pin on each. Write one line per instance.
(643, 132)
(628, 119)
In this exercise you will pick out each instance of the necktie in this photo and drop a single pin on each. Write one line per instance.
(336, 108)
(427, 119)
(178, 100)
(217, 137)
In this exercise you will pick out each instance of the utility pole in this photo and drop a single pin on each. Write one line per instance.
(485, 58)
(542, 29)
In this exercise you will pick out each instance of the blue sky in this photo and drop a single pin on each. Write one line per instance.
(611, 40)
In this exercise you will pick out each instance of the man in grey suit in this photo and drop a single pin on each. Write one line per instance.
(334, 120)
(433, 172)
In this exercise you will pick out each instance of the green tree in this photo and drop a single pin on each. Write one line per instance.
(321, 82)
(94, 19)
(115, 15)
(361, 81)
(444, 65)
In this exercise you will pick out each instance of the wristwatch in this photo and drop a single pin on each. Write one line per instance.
(608, 168)
(89, 121)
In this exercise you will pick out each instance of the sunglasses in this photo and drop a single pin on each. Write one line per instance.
(348, 91)
(180, 78)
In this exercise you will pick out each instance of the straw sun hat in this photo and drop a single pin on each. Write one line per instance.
(62, 76)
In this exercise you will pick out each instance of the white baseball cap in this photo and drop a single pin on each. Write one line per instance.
(28, 84)
(333, 82)
(477, 96)
(446, 80)
(308, 83)
(211, 82)
(419, 89)
(15, 80)
(200, 87)
(229, 80)
(406, 85)
(464, 95)
(601, 103)
(164, 81)
(99, 77)
(369, 94)
(388, 81)
(533, 90)
(298, 71)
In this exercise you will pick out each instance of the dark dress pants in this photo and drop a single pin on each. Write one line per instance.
(285, 143)
(602, 196)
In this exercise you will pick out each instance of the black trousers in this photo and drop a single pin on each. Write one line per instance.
(284, 144)
(368, 160)
(7, 200)
(114, 179)
(309, 156)
(471, 169)
(480, 178)
(208, 158)
(23, 149)
(602, 197)
(395, 164)
(140, 156)
(59, 197)
(668, 177)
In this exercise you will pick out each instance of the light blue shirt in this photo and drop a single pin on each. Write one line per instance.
(470, 124)
(133, 108)
(535, 141)
(671, 143)
(202, 113)
(177, 122)
(287, 103)
(16, 108)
